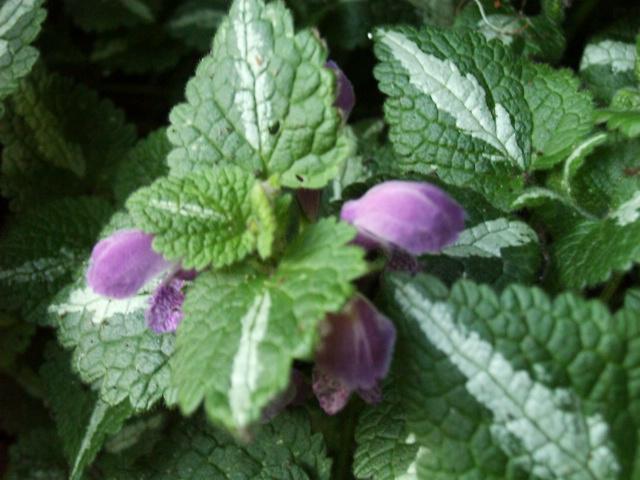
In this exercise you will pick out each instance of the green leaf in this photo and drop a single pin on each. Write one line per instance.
(638, 57)
(195, 22)
(624, 113)
(607, 66)
(69, 401)
(20, 22)
(576, 159)
(242, 329)
(26, 178)
(144, 163)
(436, 12)
(213, 217)
(105, 420)
(386, 449)
(83, 422)
(608, 178)
(262, 100)
(286, 448)
(562, 115)
(42, 248)
(71, 127)
(103, 15)
(492, 249)
(628, 123)
(144, 49)
(36, 456)
(456, 107)
(539, 37)
(579, 256)
(488, 239)
(113, 349)
(547, 381)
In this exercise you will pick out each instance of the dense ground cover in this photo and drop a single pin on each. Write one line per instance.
(319, 239)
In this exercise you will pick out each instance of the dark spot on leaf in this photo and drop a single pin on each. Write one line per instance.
(274, 128)
(300, 178)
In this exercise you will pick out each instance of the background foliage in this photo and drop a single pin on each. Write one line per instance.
(517, 352)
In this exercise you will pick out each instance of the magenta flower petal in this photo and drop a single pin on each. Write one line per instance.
(165, 307)
(346, 97)
(358, 347)
(332, 394)
(415, 216)
(122, 263)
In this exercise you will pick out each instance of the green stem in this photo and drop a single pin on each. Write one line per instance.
(348, 445)
(610, 289)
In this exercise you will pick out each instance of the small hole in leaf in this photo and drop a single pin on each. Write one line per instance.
(274, 128)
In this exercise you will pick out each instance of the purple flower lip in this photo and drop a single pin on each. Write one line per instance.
(124, 262)
(354, 355)
(416, 217)
(165, 306)
(346, 97)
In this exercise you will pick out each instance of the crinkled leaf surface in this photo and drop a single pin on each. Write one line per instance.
(539, 37)
(286, 448)
(502, 385)
(608, 65)
(262, 100)
(212, 217)
(594, 249)
(456, 106)
(242, 329)
(73, 128)
(113, 349)
(20, 22)
(609, 177)
(562, 115)
(83, 421)
(386, 449)
(43, 247)
(492, 249)
(60, 139)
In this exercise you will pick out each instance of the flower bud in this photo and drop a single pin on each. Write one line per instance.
(414, 216)
(346, 98)
(122, 263)
(354, 354)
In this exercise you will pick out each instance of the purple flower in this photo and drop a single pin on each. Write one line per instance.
(346, 97)
(416, 217)
(123, 263)
(354, 355)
